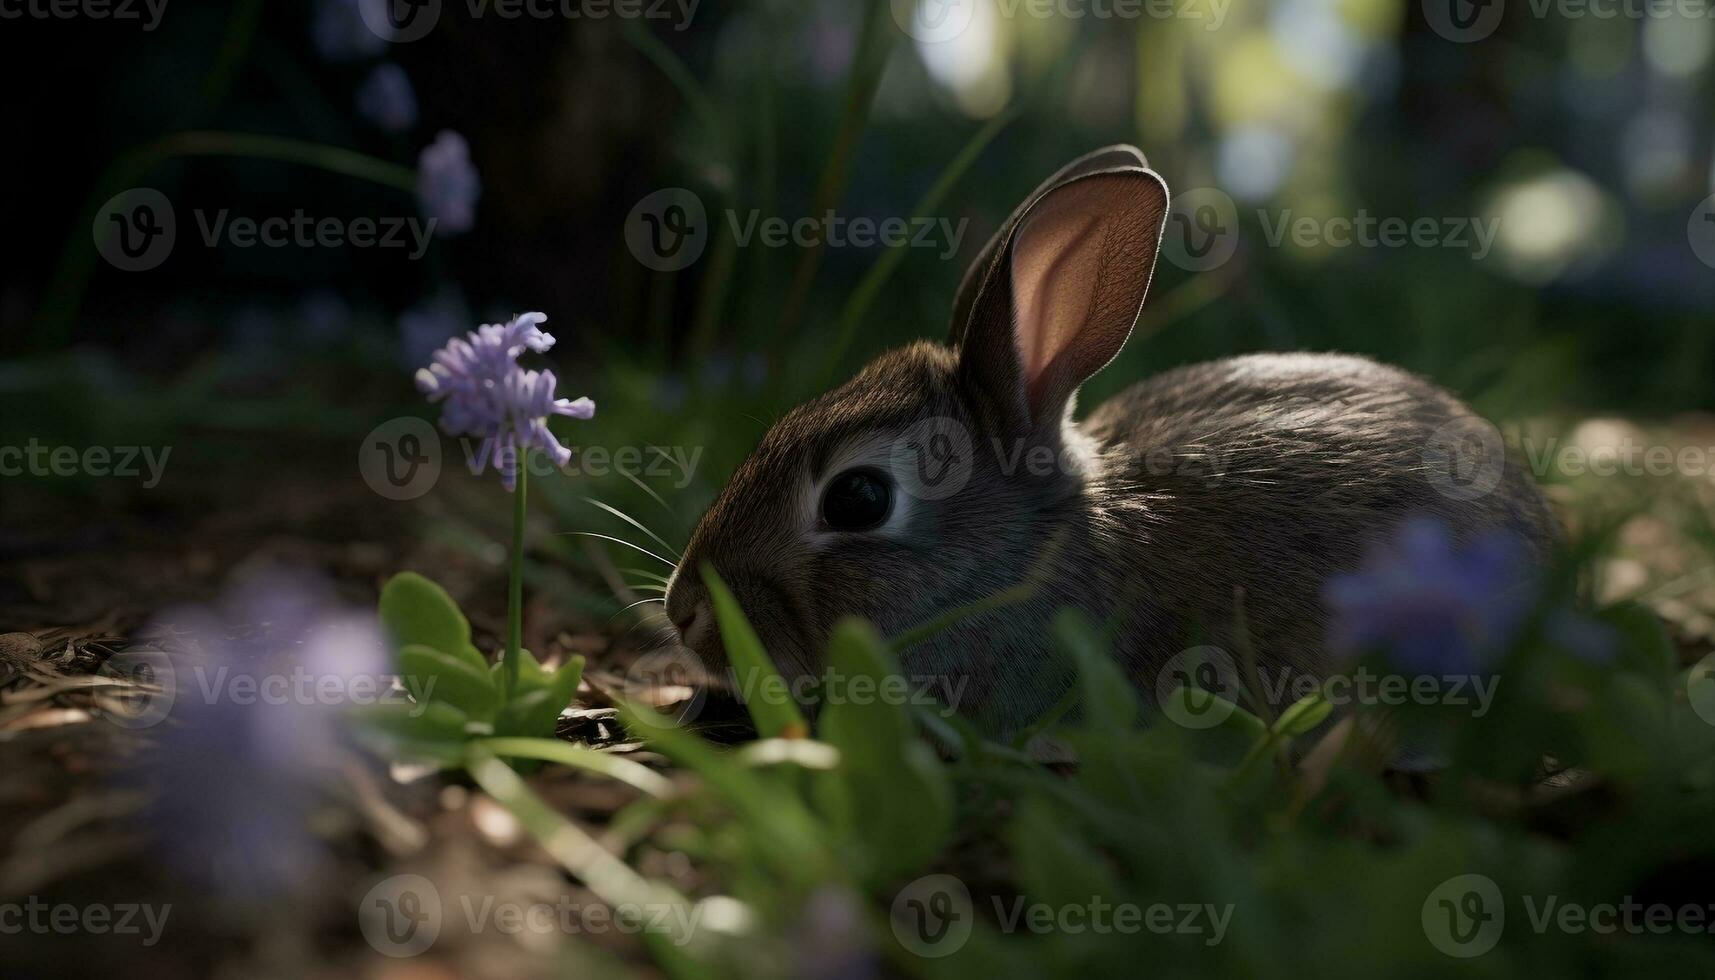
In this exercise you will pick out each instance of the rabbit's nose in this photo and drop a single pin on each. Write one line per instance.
(692, 624)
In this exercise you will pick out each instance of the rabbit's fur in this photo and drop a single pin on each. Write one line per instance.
(1255, 476)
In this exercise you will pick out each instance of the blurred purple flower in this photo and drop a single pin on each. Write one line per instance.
(387, 99)
(489, 396)
(447, 183)
(427, 327)
(252, 740)
(340, 33)
(831, 939)
(1432, 606)
(324, 317)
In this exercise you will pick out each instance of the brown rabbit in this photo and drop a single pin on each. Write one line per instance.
(943, 474)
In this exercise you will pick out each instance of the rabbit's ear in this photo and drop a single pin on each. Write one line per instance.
(1107, 158)
(1062, 299)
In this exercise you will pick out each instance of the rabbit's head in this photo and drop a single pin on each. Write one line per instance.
(943, 475)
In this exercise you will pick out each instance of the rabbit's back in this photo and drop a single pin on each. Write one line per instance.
(1273, 471)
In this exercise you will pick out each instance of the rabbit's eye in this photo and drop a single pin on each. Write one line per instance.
(857, 500)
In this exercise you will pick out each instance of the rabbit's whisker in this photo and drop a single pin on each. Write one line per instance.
(628, 544)
(634, 605)
(627, 518)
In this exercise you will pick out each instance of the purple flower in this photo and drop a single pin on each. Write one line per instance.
(251, 744)
(489, 396)
(340, 32)
(387, 99)
(447, 183)
(1433, 607)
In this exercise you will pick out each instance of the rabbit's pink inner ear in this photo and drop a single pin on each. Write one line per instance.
(1081, 265)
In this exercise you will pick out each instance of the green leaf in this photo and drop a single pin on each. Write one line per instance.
(774, 716)
(531, 676)
(1109, 700)
(536, 712)
(782, 831)
(416, 610)
(436, 676)
(1304, 714)
(428, 721)
(890, 796)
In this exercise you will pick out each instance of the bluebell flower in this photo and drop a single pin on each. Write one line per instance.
(487, 394)
(340, 33)
(1432, 606)
(251, 746)
(447, 183)
(387, 99)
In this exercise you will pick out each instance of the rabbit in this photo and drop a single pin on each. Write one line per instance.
(1257, 476)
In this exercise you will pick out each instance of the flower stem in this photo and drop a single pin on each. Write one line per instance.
(515, 587)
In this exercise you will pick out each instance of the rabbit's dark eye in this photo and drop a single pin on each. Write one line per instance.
(857, 500)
